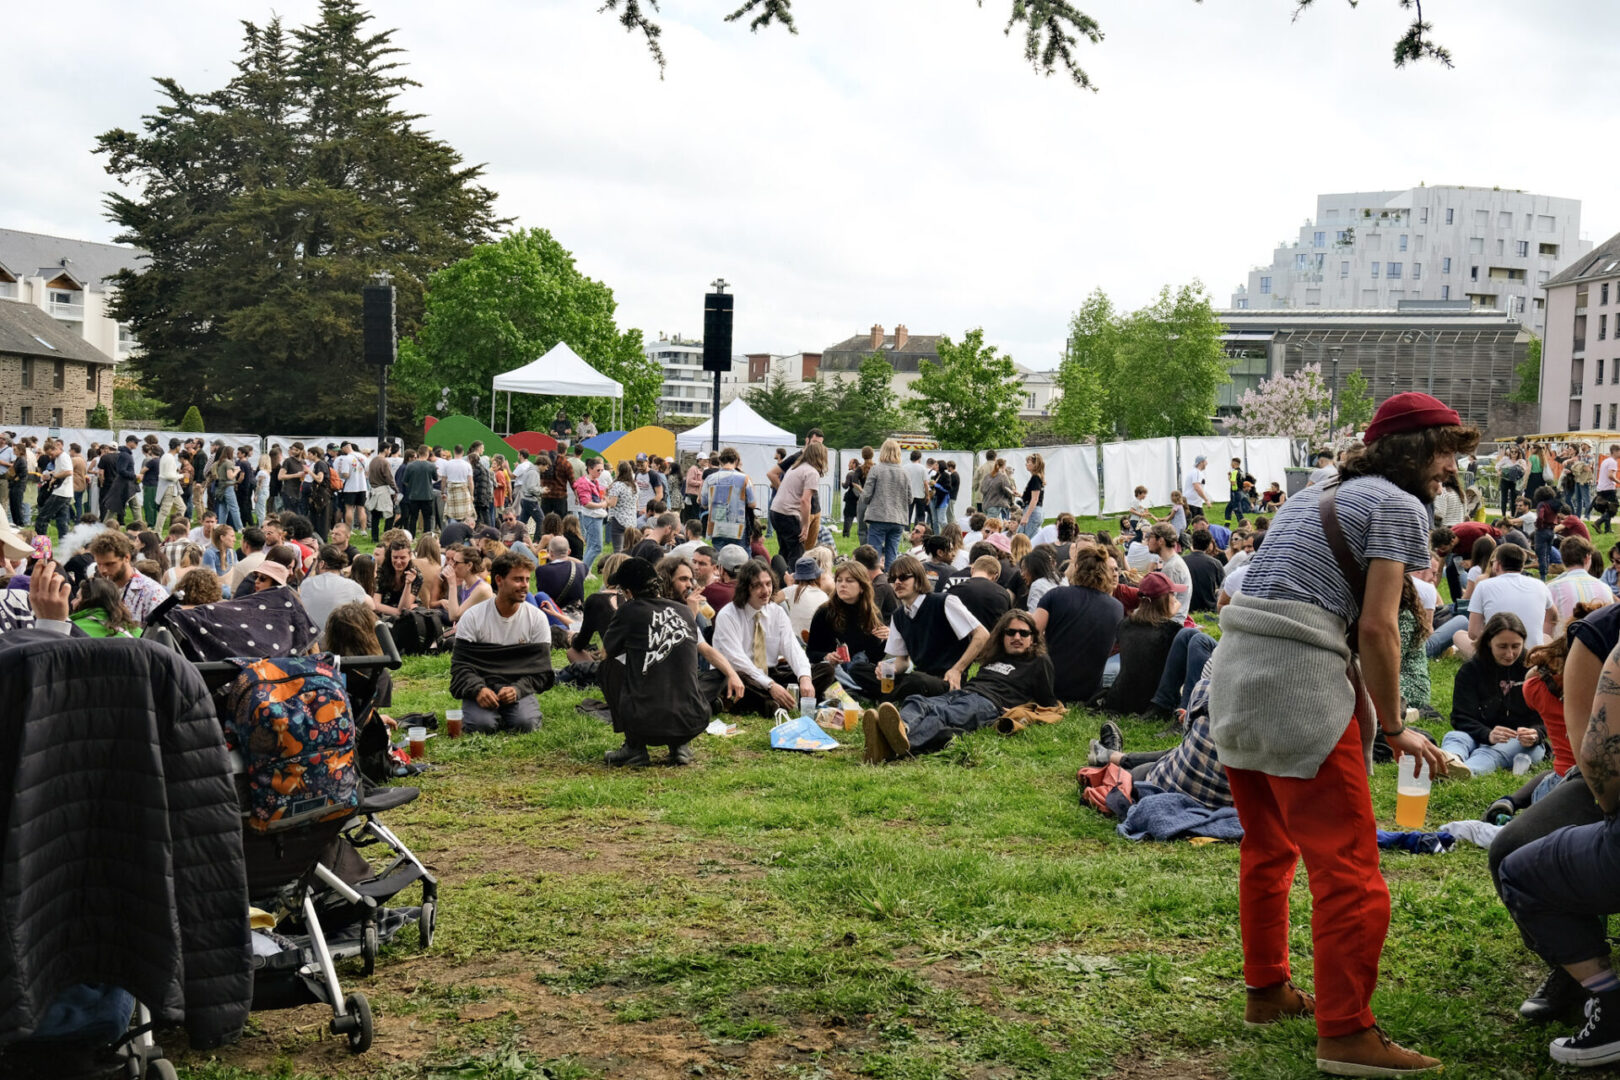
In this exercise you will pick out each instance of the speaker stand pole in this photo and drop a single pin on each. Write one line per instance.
(716, 446)
(382, 404)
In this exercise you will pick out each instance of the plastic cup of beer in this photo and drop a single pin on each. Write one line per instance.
(852, 717)
(886, 676)
(418, 737)
(452, 723)
(1411, 794)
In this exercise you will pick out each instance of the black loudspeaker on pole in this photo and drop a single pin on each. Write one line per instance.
(717, 311)
(378, 341)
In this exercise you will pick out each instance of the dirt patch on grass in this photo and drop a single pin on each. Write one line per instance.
(496, 846)
(1165, 1063)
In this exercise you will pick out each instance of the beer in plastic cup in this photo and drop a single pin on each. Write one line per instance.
(452, 723)
(418, 737)
(852, 717)
(1411, 794)
(886, 676)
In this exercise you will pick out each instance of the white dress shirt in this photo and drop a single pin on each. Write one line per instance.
(734, 640)
(963, 623)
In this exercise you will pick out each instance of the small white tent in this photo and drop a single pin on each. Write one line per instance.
(559, 373)
(755, 438)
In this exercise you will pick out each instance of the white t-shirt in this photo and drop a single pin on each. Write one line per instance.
(352, 467)
(1428, 594)
(1605, 475)
(1322, 475)
(1232, 584)
(1046, 534)
(1138, 557)
(1141, 510)
(456, 470)
(1523, 596)
(483, 623)
(1194, 476)
(1175, 568)
(917, 476)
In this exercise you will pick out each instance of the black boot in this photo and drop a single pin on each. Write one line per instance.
(681, 754)
(628, 754)
(1558, 998)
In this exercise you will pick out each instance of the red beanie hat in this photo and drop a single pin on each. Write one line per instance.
(1409, 412)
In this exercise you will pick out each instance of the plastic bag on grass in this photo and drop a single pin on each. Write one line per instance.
(799, 733)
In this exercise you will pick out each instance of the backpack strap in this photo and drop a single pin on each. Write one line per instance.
(1355, 575)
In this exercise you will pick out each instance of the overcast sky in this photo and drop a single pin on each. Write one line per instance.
(897, 161)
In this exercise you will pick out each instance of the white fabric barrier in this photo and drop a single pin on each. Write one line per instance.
(1220, 450)
(1150, 463)
(230, 438)
(1268, 460)
(368, 443)
(838, 465)
(83, 436)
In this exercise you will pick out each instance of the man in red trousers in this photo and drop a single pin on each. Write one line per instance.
(1321, 602)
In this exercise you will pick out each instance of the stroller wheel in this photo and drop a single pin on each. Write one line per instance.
(161, 1069)
(368, 948)
(425, 923)
(356, 1023)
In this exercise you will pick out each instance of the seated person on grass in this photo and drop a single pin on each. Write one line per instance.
(1145, 638)
(650, 678)
(1491, 724)
(933, 639)
(562, 577)
(466, 586)
(757, 638)
(1192, 768)
(849, 618)
(1081, 622)
(1014, 670)
(502, 657)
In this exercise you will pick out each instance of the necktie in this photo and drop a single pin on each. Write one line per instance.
(760, 660)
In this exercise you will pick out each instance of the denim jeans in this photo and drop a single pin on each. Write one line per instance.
(1544, 541)
(1583, 499)
(927, 717)
(227, 511)
(592, 528)
(1440, 640)
(1483, 758)
(1561, 889)
(885, 536)
(1033, 525)
(1182, 668)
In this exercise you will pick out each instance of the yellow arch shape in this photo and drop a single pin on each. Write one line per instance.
(643, 440)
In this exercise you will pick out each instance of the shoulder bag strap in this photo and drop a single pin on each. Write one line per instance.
(1355, 575)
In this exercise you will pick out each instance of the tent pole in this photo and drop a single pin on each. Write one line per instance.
(509, 412)
(492, 406)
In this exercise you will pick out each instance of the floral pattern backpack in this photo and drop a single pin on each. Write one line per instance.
(290, 719)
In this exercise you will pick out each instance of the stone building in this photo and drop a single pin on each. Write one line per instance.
(49, 374)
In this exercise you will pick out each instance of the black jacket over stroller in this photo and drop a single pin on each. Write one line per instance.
(117, 802)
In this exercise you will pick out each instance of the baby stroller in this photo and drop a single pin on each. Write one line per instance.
(308, 820)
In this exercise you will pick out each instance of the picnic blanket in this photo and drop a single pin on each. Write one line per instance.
(1170, 815)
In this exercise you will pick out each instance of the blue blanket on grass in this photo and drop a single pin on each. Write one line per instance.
(1170, 815)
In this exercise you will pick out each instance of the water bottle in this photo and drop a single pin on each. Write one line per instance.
(807, 707)
(1521, 764)
(1411, 794)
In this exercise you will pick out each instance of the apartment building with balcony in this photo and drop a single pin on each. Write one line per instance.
(66, 279)
(1495, 248)
(688, 390)
(905, 353)
(1580, 355)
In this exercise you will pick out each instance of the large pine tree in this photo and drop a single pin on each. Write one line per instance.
(265, 206)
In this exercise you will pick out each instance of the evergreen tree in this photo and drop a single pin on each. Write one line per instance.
(266, 205)
(192, 421)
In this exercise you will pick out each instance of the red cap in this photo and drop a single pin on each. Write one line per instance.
(1155, 584)
(1411, 411)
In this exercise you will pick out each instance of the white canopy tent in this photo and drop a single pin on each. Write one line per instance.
(755, 438)
(559, 373)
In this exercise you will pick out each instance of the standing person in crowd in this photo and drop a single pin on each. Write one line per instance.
(503, 482)
(56, 481)
(793, 509)
(854, 483)
(1509, 471)
(457, 474)
(292, 480)
(382, 490)
(727, 503)
(593, 511)
(1234, 479)
(621, 500)
(587, 430)
(883, 508)
(1000, 492)
(262, 475)
(917, 485)
(415, 482)
(692, 488)
(502, 656)
(981, 475)
(555, 480)
(1192, 487)
(1034, 512)
(148, 469)
(1292, 719)
(81, 481)
(223, 474)
(483, 484)
(1535, 475)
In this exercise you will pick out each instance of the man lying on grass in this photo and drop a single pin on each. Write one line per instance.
(1013, 671)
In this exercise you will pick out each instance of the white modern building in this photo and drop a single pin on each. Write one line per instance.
(688, 389)
(1580, 355)
(67, 280)
(1494, 247)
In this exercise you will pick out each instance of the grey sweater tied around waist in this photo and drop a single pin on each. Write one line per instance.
(1279, 695)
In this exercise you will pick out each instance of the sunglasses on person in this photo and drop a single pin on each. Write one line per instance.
(1013, 631)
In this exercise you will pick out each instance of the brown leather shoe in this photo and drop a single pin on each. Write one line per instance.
(1370, 1053)
(877, 747)
(1282, 1001)
(894, 730)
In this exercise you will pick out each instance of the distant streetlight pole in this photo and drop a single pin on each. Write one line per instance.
(1333, 408)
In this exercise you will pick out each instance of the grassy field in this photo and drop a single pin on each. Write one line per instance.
(769, 914)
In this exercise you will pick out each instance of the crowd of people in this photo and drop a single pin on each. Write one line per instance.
(966, 600)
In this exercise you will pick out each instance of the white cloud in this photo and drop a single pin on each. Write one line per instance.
(893, 162)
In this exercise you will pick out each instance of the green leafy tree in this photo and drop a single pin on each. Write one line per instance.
(1355, 402)
(98, 417)
(506, 304)
(777, 402)
(266, 205)
(1529, 373)
(1050, 30)
(1087, 372)
(970, 398)
(131, 405)
(192, 421)
(872, 404)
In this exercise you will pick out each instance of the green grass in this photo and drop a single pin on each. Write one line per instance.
(773, 914)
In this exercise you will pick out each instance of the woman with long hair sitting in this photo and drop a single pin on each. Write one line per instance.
(1039, 571)
(1145, 637)
(100, 612)
(1490, 722)
(466, 585)
(849, 618)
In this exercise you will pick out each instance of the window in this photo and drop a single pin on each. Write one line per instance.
(27, 376)
(1449, 217)
(1542, 276)
(1299, 261)
(1265, 285)
(1473, 273)
(1501, 246)
(1613, 417)
(1603, 293)
(1423, 215)
(1344, 268)
(1482, 219)
(1394, 271)
(1029, 402)
(63, 296)
(1341, 237)
(1521, 248)
(1476, 245)
(28, 414)
(1603, 327)
(59, 376)
(1597, 416)
(1445, 265)
(1243, 303)
(1417, 271)
(1403, 242)
(1549, 251)
(1319, 239)
(56, 417)
(1375, 270)
(1600, 371)
(1445, 292)
(90, 377)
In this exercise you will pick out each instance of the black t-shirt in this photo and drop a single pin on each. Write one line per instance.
(199, 466)
(457, 532)
(654, 694)
(1011, 682)
(600, 608)
(1206, 579)
(149, 472)
(1035, 484)
(1143, 648)
(887, 602)
(563, 581)
(1599, 631)
(651, 550)
(986, 599)
(576, 545)
(1081, 626)
(108, 464)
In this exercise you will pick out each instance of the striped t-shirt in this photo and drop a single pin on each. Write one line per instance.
(1379, 520)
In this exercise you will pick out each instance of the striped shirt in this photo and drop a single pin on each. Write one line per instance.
(1574, 587)
(1379, 520)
